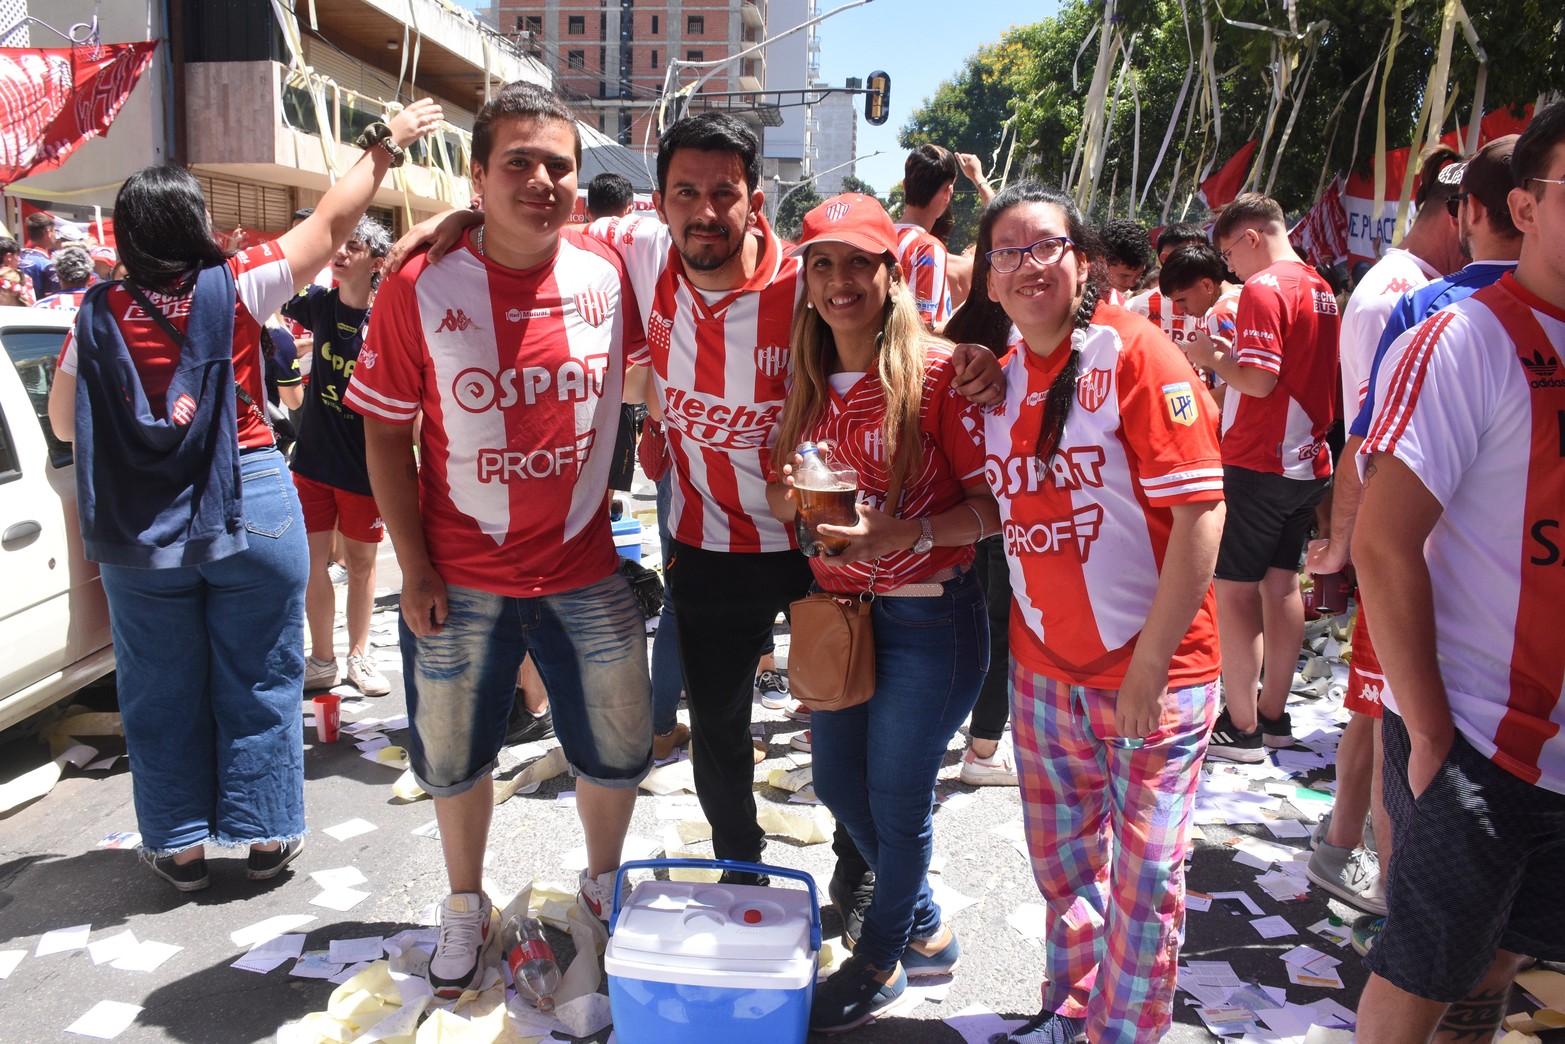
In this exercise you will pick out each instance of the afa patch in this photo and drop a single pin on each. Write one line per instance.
(1180, 401)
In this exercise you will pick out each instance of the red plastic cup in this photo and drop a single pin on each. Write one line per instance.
(328, 717)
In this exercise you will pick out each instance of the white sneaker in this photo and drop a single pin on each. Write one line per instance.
(597, 894)
(319, 674)
(365, 676)
(997, 770)
(464, 929)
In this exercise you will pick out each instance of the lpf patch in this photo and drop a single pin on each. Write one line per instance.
(1180, 401)
(183, 411)
(1092, 389)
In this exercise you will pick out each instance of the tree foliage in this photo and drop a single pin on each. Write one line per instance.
(799, 201)
(1023, 103)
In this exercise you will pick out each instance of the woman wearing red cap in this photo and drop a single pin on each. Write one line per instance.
(871, 382)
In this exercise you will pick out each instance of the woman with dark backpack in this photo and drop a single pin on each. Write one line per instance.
(187, 506)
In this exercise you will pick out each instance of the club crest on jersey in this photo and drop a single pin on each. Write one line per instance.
(772, 360)
(592, 306)
(367, 358)
(875, 444)
(1180, 401)
(1092, 389)
(837, 211)
(183, 411)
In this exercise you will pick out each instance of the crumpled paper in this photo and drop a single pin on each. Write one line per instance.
(547, 767)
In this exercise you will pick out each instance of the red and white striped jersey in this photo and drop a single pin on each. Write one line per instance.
(720, 364)
(64, 301)
(1366, 314)
(953, 460)
(923, 260)
(1086, 539)
(263, 282)
(1287, 325)
(1473, 405)
(520, 375)
(1165, 315)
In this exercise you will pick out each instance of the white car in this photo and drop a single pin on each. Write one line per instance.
(54, 618)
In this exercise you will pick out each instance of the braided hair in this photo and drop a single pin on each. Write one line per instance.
(1057, 401)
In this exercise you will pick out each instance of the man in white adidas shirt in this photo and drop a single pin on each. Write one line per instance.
(1460, 559)
(513, 349)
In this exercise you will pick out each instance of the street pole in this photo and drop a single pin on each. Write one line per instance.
(717, 64)
(797, 185)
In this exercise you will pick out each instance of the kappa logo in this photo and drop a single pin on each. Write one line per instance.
(837, 211)
(592, 306)
(454, 321)
(1396, 286)
(772, 360)
(1093, 387)
(1267, 279)
(183, 411)
(367, 358)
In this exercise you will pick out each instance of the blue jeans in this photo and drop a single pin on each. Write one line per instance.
(590, 646)
(875, 764)
(668, 677)
(211, 679)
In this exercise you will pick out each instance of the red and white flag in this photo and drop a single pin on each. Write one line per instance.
(53, 99)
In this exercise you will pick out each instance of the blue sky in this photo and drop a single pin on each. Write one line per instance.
(918, 43)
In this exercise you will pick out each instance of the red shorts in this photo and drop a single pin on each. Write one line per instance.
(327, 507)
(1365, 680)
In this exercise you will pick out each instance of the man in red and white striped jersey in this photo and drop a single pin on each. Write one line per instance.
(1177, 324)
(1460, 557)
(928, 180)
(1281, 371)
(513, 348)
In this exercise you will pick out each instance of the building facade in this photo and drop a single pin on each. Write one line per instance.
(611, 57)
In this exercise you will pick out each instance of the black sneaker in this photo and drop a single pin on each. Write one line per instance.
(1276, 732)
(1230, 744)
(852, 902)
(526, 727)
(263, 866)
(853, 995)
(187, 877)
(743, 877)
(1044, 1028)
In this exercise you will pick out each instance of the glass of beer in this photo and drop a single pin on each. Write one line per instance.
(827, 494)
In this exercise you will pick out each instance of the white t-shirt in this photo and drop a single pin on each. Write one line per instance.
(1366, 314)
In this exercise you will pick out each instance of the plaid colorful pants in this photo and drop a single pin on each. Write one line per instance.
(1108, 826)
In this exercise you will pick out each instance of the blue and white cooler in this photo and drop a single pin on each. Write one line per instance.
(693, 961)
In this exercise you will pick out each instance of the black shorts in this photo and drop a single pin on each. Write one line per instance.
(1269, 520)
(1475, 868)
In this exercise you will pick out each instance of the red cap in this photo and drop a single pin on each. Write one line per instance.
(852, 218)
(103, 253)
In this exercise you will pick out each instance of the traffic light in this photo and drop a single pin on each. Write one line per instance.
(877, 102)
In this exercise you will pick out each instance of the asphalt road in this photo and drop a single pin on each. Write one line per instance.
(54, 875)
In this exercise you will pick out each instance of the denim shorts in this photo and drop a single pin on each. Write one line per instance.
(590, 647)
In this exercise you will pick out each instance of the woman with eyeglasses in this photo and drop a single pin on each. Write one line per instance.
(1105, 464)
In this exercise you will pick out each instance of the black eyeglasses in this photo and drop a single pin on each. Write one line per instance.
(1453, 204)
(1046, 252)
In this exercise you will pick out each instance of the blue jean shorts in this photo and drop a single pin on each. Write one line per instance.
(590, 647)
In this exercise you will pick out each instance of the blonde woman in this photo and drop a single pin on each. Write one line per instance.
(870, 381)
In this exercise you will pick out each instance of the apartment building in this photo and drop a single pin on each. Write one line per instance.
(611, 57)
(264, 109)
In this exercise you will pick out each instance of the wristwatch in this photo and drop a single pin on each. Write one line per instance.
(926, 537)
(379, 134)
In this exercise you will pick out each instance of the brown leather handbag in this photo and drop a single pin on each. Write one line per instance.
(831, 654)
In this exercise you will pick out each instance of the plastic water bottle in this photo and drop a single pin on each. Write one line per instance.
(827, 494)
(533, 967)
